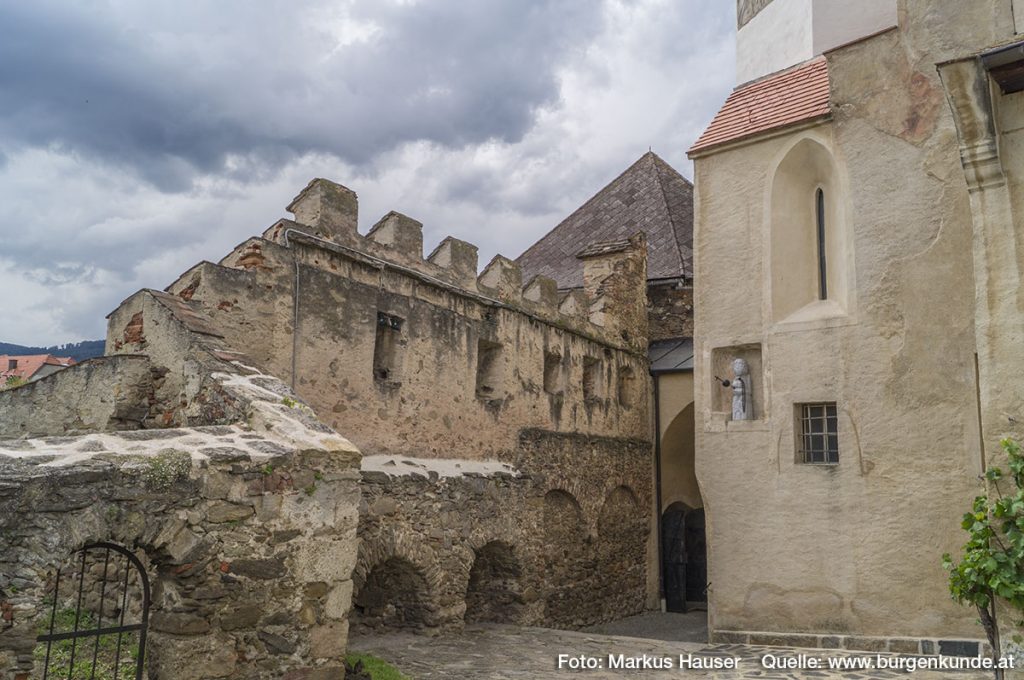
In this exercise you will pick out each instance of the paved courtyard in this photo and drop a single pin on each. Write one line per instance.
(668, 626)
(495, 652)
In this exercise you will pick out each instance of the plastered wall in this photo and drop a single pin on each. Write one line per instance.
(854, 549)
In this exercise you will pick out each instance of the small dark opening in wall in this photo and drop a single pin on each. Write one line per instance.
(12, 364)
(488, 369)
(627, 386)
(554, 382)
(591, 378)
(819, 200)
(387, 347)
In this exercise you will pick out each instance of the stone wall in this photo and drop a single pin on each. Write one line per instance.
(246, 530)
(64, 403)
(307, 302)
(748, 9)
(449, 542)
(670, 310)
(427, 359)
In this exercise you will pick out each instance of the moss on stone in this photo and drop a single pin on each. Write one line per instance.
(166, 468)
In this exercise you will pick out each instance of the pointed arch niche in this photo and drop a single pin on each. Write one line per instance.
(811, 253)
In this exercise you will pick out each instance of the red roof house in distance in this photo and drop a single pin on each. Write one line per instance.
(31, 367)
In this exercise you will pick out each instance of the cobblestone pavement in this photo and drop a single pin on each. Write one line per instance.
(512, 653)
(669, 626)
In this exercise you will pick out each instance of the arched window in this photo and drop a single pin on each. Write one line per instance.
(822, 267)
(810, 252)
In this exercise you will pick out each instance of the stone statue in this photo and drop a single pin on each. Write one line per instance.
(742, 394)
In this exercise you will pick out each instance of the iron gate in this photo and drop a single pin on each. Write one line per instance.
(76, 654)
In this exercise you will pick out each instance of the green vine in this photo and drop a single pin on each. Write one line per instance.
(991, 567)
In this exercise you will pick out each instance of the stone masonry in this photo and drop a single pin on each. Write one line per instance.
(423, 359)
(507, 477)
(244, 519)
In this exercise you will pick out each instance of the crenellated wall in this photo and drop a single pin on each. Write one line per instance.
(465, 362)
(425, 364)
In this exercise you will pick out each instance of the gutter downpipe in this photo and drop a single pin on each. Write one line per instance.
(295, 307)
(657, 487)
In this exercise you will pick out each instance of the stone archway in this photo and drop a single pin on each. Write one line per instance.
(494, 593)
(394, 595)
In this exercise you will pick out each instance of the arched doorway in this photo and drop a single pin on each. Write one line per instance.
(395, 596)
(684, 558)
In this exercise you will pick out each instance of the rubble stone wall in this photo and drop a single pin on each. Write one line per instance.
(448, 542)
(246, 531)
(62, 403)
(670, 310)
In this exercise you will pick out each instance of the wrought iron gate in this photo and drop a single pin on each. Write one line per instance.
(75, 654)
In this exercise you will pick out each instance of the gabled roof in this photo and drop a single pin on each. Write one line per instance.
(792, 96)
(650, 196)
(29, 365)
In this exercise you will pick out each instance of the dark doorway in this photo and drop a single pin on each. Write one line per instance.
(684, 558)
(697, 554)
(394, 597)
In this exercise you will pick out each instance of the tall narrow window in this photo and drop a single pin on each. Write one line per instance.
(387, 348)
(627, 386)
(592, 379)
(554, 375)
(822, 272)
(488, 369)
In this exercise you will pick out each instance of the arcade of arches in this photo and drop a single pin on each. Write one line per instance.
(533, 548)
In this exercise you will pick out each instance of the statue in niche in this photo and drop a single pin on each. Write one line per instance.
(742, 394)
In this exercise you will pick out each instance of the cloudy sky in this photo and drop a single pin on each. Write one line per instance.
(140, 136)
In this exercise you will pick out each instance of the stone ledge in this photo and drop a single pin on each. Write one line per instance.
(860, 643)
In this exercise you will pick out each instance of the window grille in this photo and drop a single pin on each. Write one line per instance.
(818, 428)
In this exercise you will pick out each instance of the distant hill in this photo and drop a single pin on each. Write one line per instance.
(79, 351)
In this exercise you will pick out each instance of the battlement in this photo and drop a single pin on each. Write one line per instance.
(406, 354)
(325, 216)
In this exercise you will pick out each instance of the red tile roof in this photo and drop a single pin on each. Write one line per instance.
(793, 96)
(29, 365)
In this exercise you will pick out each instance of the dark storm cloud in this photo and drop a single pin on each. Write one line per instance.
(139, 137)
(236, 87)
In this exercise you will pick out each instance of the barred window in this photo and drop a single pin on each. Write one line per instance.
(818, 428)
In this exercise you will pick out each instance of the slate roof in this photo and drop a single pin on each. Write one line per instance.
(776, 101)
(650, 196)
(29, 364)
